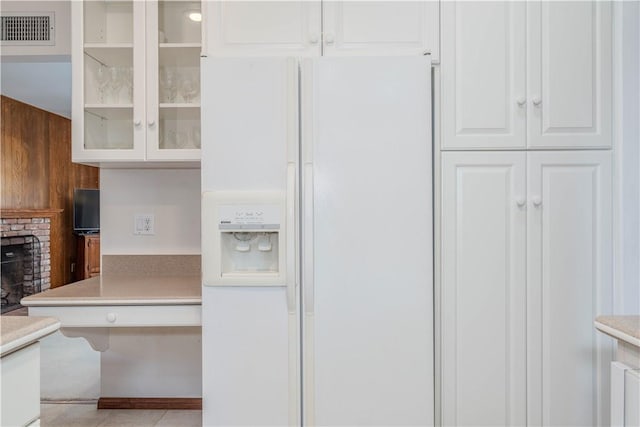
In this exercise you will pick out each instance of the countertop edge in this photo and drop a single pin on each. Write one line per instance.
(28, 339)
(615, 333)
(69, 302)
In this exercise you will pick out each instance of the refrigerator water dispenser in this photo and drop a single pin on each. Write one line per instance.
(245, 252)
(244, 234)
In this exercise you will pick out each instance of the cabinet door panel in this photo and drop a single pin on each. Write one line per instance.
(483, 289)
(259, 28)
(173, 81)
(483, 75)
(108, 73)
(380, 28)
(568, 284)
(569, 71)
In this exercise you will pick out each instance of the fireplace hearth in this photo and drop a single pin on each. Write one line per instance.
(21, 258)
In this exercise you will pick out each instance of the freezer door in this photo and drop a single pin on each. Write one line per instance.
(367, 242)
(250, 326)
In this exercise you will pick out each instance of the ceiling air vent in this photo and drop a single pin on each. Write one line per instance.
(27, 29)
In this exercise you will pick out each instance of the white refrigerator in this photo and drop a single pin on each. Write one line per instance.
(317, 244)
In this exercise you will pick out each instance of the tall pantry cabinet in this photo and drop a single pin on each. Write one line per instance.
(526, 212)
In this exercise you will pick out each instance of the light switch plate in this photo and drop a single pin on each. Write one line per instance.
(144, 224)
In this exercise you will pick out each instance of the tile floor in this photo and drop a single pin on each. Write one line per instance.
(86, 415)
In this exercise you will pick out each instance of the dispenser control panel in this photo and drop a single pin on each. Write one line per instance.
(249, 217)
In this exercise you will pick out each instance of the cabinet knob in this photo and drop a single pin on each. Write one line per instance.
(520, 201)
(537, 201)
(522, 101)
(111, 317)
(151, 123)
(137, 122)
(329, 38)
(536, 101)
(313, 38)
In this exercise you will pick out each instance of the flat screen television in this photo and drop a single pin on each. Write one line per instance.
(86, 210)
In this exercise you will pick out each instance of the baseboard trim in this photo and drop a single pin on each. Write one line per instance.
(150, 403)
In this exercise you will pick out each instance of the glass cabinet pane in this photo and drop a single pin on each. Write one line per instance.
(108, 21)
(108, 128)
(179, 46)
(179, 22)
(108, 74)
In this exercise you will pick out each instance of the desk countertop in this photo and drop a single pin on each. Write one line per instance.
(20, 331)
(122, 290)
(624, 328)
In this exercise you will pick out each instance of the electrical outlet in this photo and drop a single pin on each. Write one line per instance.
(144, 224)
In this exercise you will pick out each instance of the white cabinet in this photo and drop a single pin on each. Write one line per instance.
(565, 214)
(569, 258)
(20, 386)
(526, 74)
(136, 81)
(569, 57)
(259, 28)
(483, 289)
(483, 75)
(313, 28)
(380, 28)
(632, 398)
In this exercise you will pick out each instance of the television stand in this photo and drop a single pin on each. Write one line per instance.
(87, 256)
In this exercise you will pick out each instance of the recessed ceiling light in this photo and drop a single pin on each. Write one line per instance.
(195, 16)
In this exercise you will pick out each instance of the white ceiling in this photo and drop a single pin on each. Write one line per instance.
(46, 85)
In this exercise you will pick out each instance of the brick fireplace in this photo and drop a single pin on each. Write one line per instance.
(43, 224)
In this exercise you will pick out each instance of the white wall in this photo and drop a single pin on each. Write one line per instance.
(627, 294)
(151, 362)
(172, 195)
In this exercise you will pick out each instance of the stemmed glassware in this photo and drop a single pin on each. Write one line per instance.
(115, 82)
(169, 84)
(128, 82)
(102, 79)
(189, 89)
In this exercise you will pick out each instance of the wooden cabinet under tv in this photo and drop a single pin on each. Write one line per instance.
(87, 256)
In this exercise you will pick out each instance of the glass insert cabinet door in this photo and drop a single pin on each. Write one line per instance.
(173, 82)
(140, 77)
(110, 70)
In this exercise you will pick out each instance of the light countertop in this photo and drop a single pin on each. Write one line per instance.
(19, 331)
(122, 290)
(625, 328)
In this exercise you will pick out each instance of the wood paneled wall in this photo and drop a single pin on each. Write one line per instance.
(36, 173)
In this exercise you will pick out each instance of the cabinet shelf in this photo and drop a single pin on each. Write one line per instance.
(120, 54)
(180, 45)
(180, 105)
(110, 111)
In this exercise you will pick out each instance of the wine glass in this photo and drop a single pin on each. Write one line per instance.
(194, 137)
(169, 85)
(102, 79)
(128, 82)
(189, 89)
(115, 83)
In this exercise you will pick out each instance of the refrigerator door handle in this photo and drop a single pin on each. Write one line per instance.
(291, 237)
(308, 239)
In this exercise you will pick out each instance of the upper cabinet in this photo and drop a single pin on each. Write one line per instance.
(313, 28)
(136, 81)
(569, 74)
(258, 28)
(519, 75)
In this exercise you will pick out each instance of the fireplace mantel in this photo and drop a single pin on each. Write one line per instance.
(29, 213)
